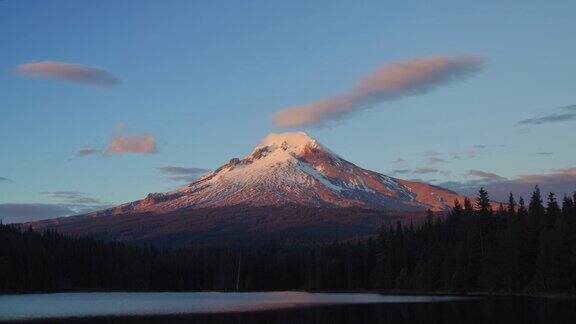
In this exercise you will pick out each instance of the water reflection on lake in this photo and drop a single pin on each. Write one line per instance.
(281, 307)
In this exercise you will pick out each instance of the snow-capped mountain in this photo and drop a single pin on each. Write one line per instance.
(294, 169)
(289, 189)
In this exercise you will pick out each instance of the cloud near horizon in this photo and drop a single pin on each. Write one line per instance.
(67, 203)
(559, 181)
(485, 175)
(20, 213)
(393, 81)
(28, 212)
(68, 72)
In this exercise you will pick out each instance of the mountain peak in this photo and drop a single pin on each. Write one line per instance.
(294, 142)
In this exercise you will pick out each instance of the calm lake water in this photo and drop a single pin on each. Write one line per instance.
(280, 307)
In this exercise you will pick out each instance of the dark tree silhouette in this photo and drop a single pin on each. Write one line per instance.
(470, 249)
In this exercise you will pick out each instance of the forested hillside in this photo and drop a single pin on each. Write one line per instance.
(516, 248)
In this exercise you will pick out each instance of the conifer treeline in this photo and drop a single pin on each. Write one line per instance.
(515, 248)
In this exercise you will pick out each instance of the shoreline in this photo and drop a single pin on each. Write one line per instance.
(397, 293)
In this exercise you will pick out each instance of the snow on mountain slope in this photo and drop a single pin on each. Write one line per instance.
(294, 169)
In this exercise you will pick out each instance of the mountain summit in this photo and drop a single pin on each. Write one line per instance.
(295, 169)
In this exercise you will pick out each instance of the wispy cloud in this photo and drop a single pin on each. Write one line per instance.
(555, 118)
(434, 157)
(72, 197)
(465, 154)
(545, 153)
(69, 72)
(485, 175)
(424, 170)
(399, 161)
(87, 152)
(3, 179)
(487, 146)
(394, 81)
(568, 114)
(420, 171)
(402, 171)
(182, 173)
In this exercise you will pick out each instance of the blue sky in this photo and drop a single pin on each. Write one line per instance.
(204, 79)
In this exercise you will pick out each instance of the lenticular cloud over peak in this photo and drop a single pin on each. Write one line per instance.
(69, 72)
(390, 82)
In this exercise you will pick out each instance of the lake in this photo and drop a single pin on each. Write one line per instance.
(281, 307)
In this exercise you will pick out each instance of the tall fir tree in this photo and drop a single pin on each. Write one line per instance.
(483, 206)
(536, 210)
(511, 208)
(552, 210)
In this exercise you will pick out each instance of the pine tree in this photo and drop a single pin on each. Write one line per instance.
(511, 206)
(536, 210)
(483, 206)
(552, 210)
(468, 209)
(532, 248)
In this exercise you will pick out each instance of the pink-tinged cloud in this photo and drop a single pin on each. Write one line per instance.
(145, 144)
(393, 81)
(559, 181)
(485, 175)
(69, 72)
(567, 175)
